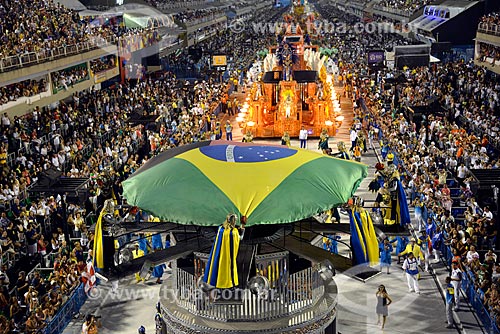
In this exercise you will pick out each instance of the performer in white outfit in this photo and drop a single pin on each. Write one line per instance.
(456, 280)
(410, 266)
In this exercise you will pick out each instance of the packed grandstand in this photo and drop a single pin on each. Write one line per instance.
(46, 239)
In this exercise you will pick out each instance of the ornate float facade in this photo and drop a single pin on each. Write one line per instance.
(292, 89)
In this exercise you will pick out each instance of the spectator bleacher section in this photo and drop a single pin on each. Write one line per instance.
(84, 134)
(487, 48)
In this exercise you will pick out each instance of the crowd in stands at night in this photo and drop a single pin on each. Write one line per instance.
(89, 136)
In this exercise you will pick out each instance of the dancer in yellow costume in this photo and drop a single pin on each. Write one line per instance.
(221, 271)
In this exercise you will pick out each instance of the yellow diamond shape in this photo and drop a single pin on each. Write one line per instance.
(247, 184)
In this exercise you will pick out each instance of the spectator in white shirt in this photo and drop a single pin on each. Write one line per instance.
(55, 161)
(472, 254)
(487, 214)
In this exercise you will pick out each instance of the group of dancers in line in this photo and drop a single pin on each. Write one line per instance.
(422, 249)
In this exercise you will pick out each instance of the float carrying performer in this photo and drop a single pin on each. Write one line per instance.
(221, 271)
(393, 195)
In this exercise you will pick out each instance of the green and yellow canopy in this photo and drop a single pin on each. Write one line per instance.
(201, 183)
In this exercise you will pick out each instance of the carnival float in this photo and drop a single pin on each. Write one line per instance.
(293, 86)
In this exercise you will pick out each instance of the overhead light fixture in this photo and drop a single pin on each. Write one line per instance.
(339, 118)
(251, 123)
(239, 119)
(328, 123)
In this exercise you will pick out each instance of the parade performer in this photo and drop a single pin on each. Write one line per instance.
(323, 141)
(378, 181)
(342, 154)
(330, 243)
(401, 242)
(248, 138)
(396, 211)
(218, 131)
(385, 254)
(426, 248)
(221, 270)
(285, 140)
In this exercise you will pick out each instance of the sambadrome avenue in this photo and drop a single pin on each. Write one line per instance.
(249, 167)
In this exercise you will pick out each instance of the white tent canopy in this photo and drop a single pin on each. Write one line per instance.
(135, 16)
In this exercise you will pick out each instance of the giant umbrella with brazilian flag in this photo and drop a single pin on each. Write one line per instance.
(202, 182)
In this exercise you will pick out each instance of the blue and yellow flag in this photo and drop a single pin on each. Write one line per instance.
(402, 206)
(371, 241)
(221, 270)
(357, 241)
(363, 238)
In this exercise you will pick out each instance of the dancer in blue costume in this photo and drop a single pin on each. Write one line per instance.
(385, 254)
(334, 243)
(143, 243)
(401, 243)
(159, 269)
(156, 241)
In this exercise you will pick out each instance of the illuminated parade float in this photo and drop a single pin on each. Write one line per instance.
(291, 87)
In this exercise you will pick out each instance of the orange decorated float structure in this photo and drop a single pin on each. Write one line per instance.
(292, 90)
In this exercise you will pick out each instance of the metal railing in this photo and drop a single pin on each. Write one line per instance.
(207, 18)
(32, 58)
(400, 12)
(67, 311)
(173, 5)
(487, 318)
(294, 294)
(489, 28)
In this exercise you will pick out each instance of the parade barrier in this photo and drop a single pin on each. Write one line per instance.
(67, 311)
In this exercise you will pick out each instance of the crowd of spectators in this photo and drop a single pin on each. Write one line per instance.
(95, 123)
(30, 302)
(49, 29)
(353, 47)
(103, 64)
(194, 16)
(448, 146)
(86, 136)
(406, 6)
(439, 152)
(41, 27)
(240, 49)
(490, 21)
(132, 40)
(68, 77)
(489, 53)
(25, 88)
